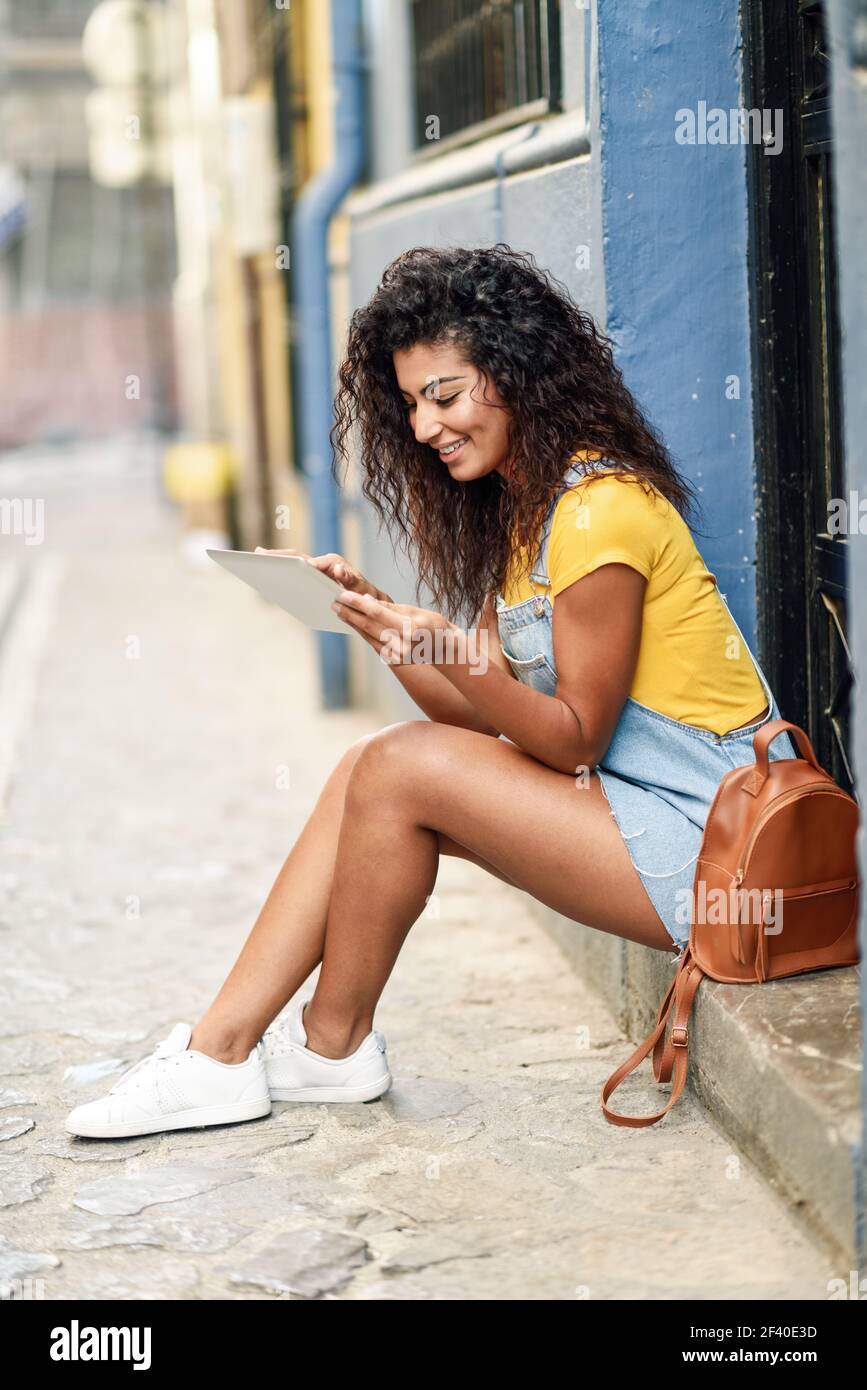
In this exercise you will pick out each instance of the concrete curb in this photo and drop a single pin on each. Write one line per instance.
(777, 1066)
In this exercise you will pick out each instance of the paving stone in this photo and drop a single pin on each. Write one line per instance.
(89, 1072)
(21, 1180)
(13, 1126)
(14, 1264)
(165, 1233)
(308, 1261)
(71, 1148)
(129, 1276)
(10, 1097)
(124, 1194)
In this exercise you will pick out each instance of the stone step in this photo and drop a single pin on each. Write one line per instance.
(776, 1065)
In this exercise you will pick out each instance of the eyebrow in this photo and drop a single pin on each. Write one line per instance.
(437, 381)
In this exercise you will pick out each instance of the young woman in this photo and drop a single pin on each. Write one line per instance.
(572, 747)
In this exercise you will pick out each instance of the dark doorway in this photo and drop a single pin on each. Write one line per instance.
(797, 383)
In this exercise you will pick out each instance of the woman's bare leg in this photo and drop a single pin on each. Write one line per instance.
(287, 939)
(417, 782)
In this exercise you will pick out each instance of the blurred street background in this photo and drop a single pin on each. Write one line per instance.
(194, 196)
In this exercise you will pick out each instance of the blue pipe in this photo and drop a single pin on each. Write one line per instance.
(314, 210)
(500, 167)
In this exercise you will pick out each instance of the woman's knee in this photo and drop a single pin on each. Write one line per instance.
(392, 756)
(340, 774)
(355, 750)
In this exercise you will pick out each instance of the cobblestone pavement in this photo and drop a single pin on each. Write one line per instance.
(149, 801)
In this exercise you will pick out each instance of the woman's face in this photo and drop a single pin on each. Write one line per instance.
(436, 382)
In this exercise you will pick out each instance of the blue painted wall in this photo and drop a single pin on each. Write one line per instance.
(675, 252)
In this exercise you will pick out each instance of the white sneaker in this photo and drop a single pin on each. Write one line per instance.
(176, 1088)
(296, 1073)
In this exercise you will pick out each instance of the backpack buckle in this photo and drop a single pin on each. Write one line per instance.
(680, 1028)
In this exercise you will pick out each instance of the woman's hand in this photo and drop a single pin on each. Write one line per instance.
(336, 568)
(399, 632)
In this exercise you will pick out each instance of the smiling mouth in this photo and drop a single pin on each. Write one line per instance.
(450, 449)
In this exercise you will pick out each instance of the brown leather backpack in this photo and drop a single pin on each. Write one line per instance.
(775, 893)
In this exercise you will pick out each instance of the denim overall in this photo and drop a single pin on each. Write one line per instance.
(658, 774)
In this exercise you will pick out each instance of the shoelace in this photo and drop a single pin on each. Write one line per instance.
(158, 1053)
(277, 1032)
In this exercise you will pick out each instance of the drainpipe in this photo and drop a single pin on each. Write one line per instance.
(500, 167)
(314, 210)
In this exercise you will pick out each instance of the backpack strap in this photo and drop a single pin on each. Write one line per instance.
(761, 744)
(574, 474)
(668, 1053)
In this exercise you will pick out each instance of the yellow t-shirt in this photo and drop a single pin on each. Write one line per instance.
(692, 663)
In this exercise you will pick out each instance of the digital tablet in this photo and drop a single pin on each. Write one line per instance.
(290, 581)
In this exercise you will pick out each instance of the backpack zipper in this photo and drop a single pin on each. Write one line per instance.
(766, 815)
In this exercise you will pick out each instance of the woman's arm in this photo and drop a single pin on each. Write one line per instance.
(597, 634)
(439, 698)
(435, 696)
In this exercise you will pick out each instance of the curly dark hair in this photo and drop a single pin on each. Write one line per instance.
(554, 370)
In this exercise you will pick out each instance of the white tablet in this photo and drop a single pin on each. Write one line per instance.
(290, 581)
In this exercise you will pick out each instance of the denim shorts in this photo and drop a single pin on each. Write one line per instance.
(660, 776)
